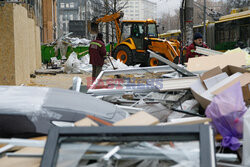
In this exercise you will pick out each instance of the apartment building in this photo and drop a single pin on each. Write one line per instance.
(139, 10)
(73, 10)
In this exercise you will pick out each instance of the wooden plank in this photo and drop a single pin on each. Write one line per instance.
(139, 119)
(22, 45)
(18, 45)
(86, 122)
(7, 50)
(38, 48)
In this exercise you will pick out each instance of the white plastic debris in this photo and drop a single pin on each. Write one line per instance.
(187, 105)
(55, 61)
(73, 64)
(117, 64)
(79, 42)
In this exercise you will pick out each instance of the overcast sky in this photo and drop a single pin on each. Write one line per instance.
(165, 6)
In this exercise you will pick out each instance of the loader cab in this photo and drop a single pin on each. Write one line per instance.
(134, 40)
(138, 31)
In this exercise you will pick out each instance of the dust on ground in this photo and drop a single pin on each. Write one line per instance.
(63, 81)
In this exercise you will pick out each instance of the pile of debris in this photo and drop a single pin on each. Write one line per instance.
(137, 116)
(75, 66)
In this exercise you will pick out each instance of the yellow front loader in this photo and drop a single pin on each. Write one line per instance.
(135, 37)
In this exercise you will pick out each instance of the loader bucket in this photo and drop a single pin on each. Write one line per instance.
(92, 27)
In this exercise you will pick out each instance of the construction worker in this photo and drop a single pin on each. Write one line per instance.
(198, 41)
(97, 51)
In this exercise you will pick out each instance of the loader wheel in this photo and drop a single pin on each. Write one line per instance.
(124, 54)
(153, 62)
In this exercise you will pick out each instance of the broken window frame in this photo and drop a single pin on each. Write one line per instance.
(96, 92)
(200, 132)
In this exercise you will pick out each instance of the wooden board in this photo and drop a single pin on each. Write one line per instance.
(20, 51)
(21, 40)
(7, 60)
(139, 119)
(38, 48)
(86, 122)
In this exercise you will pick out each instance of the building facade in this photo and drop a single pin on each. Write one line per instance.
(49, 21)
(139, 10)
(68, 10)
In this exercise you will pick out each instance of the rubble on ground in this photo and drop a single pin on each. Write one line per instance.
(212, 99)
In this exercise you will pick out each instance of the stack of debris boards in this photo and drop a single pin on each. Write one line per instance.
(151, 116)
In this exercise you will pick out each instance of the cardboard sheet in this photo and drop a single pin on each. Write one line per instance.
(139, 119)
(236, 57)
(204, 96)
(85, 122)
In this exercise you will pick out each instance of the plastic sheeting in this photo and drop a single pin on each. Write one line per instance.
(246, 139)
(79, 41)
(185, 154)
(32, 109)
(226, 111)
(188, 105)
(74, 65)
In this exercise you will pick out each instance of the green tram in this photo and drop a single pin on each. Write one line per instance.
(230, 32)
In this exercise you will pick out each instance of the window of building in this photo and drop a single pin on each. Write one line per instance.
(62, 5)
(67, 5)
(71, 17)
(64, 27)
(131, 14)
(61, 17)
(71, 5)
(65, 17)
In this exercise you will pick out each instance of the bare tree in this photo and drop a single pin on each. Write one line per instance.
(230, 4)
(108, 7)
(169, 21)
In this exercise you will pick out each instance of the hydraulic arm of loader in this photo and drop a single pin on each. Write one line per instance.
(109, 18)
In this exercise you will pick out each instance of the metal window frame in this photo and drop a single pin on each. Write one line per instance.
(200, 132)
(94, 91)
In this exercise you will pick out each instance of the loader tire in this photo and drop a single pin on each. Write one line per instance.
(124, 54)
(153, 62)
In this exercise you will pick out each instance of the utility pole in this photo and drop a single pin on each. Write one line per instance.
(86, 19)
(80, 9)
(182, 32)
(189, 10)
(107, 24)
(205, 18)
(112, 25)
